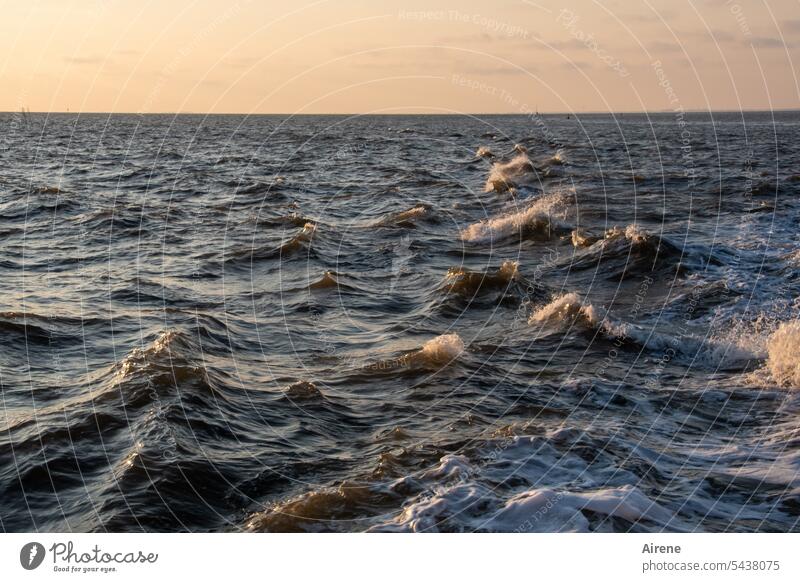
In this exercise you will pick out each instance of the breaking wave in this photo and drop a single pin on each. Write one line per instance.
(465, 282)
(443, 349)
(714, 351)
(408, 218)
(784, 355)
(540, 220)
(629, 251)
(505, 176)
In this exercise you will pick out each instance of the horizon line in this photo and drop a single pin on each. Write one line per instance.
(354, 114)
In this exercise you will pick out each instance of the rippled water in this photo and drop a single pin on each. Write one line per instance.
(400, 323)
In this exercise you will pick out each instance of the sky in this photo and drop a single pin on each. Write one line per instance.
(404, 56)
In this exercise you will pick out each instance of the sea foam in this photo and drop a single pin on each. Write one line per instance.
(537, 218)
(505, 176)
(784, 354)
(443, 348)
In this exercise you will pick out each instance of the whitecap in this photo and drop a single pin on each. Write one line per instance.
(505, 176)
(784, 354)
(536, 218)
(444, 348)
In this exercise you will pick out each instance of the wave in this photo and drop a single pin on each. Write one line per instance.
(627, 252)
(49, 329)
(547, 510)
(316, 510)
(165, 344)
(292, 219)
(505, 176)
(537, 510)
(169, 361)
(702, 298)
(784, 355)
(582, 240)
(29, 208)
(260, 187)
(327, 281)
(557, 159)
(484, 152)
(434, 354)
(530, 484)
(716, 351)
(462, 281)
(536, 221)
(765, 188)
(567, 307)
(131, 217)
(442, 349)
(302, 390)
(409, 217)
(792, 258)
(299, 242)
(47, 190)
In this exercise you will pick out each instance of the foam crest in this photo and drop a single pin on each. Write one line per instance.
(636, 234)
(466, 282)
(444, 348)
(139, 357)
(536, 219)
(566, 307)
(407, 218)
(784, 355)
(415, 212)
(581, 240)
(557, 159)
(303, 390)
(505, 176)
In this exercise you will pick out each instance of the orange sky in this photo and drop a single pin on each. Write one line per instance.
(360, 56)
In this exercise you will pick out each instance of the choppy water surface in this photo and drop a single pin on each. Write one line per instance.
(400, 323)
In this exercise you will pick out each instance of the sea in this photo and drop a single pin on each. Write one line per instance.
(406, 323)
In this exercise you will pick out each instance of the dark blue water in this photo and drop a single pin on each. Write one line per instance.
(426, 323)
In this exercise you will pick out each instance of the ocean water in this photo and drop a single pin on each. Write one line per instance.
(405, 323)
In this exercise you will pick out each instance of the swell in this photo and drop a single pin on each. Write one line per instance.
(629, 252)
(464, 289)
(126, 427)
(299, 243)
(49, 329)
